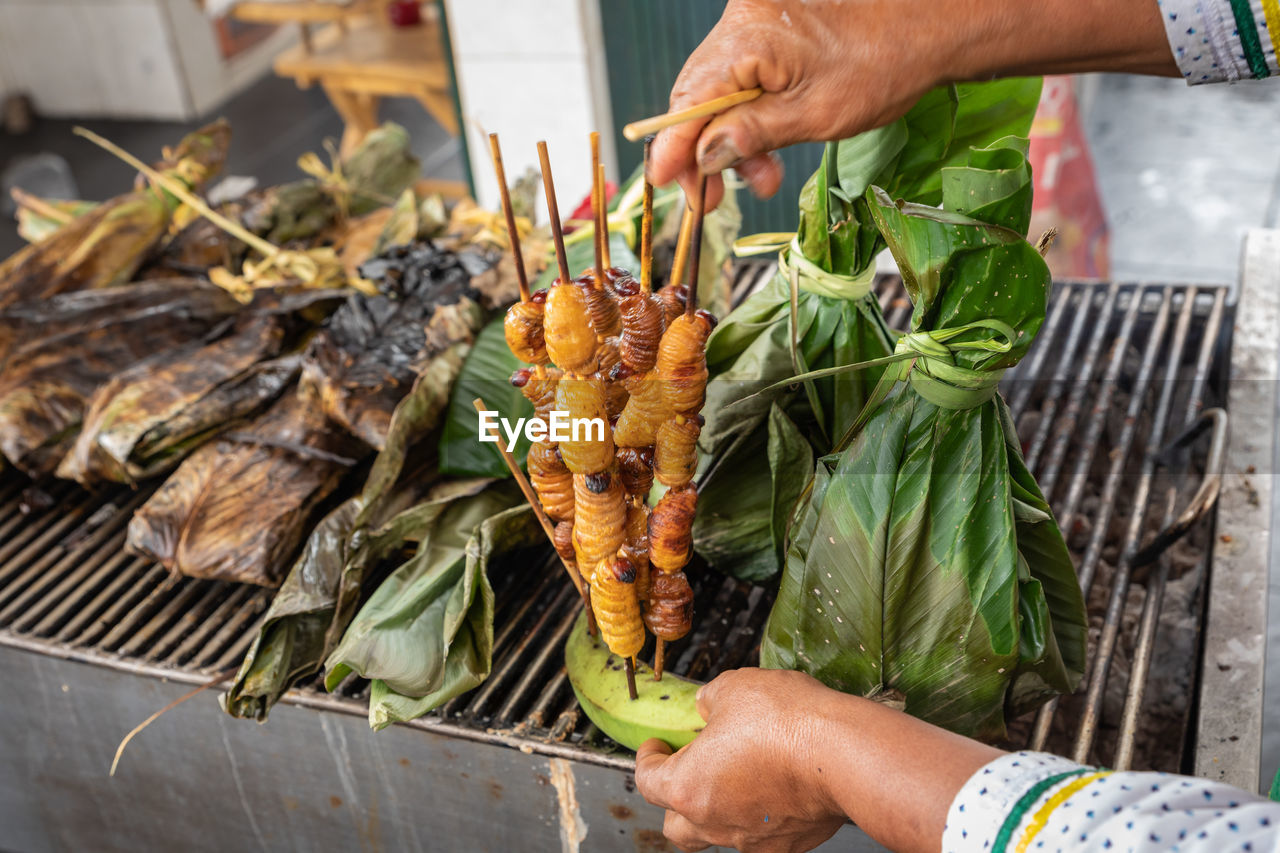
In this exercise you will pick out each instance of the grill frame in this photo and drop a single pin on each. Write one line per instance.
(140, 620)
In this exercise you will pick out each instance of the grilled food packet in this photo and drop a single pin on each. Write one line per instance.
(426, 633)
(818, 311)
(925, 560)
(55, 353)
(380, 168)
(146, 419)
(315, 603)
(239, 506)
(105, 245)
(371, 350)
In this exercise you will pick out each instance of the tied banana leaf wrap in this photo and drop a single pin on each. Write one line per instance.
(818, 312)
(145, 420)
(319, 596)
(926, 561)
(62, 349)
(105, 245)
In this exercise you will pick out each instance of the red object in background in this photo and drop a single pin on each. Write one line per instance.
(1066, 188)
(583, 210)
(404, 13)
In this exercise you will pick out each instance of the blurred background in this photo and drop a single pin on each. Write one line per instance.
(1146, 178)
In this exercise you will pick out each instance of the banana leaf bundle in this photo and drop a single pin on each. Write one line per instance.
(426, 633)
(239, 506)
(319, 596)
(373, 176)
(55, 353)
(366, 358)
(925, 561)
(817, 312)
(146, 419)
(106, 245)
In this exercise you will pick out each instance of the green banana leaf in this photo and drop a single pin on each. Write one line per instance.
(486, 374)
(426, 633)
(822, 322)
(926, 560)
(315, 603)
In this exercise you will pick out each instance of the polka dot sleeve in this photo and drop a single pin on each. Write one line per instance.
(1030, 801)
(1217, 41)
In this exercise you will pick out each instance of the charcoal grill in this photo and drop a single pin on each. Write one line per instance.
(93, 640)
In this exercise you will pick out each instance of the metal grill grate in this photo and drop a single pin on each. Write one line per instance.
(1115, 370)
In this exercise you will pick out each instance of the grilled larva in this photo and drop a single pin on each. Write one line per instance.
(645, 411)
(551, 480)
(599, 515)
(523, 328)
(538, 390)
(668, 610)
(615, 393)
(603, 307)
(563, 540)
(617, 609)
(591, 452)
(570, 335)
(675, 453)
(635, 546)
(635, 468)
(643, 321)
(671, 529)
(682, 362)
(673, 300)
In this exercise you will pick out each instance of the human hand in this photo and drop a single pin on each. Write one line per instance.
(829, 70)
(753, 778)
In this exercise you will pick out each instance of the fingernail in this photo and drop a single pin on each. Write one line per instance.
(718, 154)
(698, 696)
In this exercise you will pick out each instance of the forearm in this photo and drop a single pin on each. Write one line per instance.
(1004, 38)
(892, 774)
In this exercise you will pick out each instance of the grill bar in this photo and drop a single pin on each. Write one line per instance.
(68, 588)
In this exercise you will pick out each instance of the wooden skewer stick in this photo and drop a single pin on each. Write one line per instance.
(682, 249)
(638, 130)
(646, 227)
(597, 202)
(532, 497)
(512, 233)
(603, 226)
(553, 210)
(631, 678)
(658, 655)
(695, 250)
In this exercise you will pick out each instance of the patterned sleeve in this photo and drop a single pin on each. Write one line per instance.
(1223, 40)
(1030, 801)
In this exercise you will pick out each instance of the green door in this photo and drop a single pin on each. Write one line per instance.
(646, 43)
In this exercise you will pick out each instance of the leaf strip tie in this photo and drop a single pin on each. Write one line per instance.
(811, 278)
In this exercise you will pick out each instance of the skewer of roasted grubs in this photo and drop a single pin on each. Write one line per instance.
(606, 346)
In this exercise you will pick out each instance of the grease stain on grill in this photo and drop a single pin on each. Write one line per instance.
(621, 812)
(335, 801)
(651, 841)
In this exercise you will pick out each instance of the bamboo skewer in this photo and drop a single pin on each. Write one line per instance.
(597, 203)
(631, 678)
(646, 226)
(512, 233)
(682, 249)
(659, 653)
(547, 527)
(603, 227)
(553, 209)
(695, 250)
(637, 130)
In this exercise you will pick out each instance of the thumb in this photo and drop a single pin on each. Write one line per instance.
(651, 775)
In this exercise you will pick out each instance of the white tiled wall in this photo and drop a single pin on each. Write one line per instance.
(529, 71)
